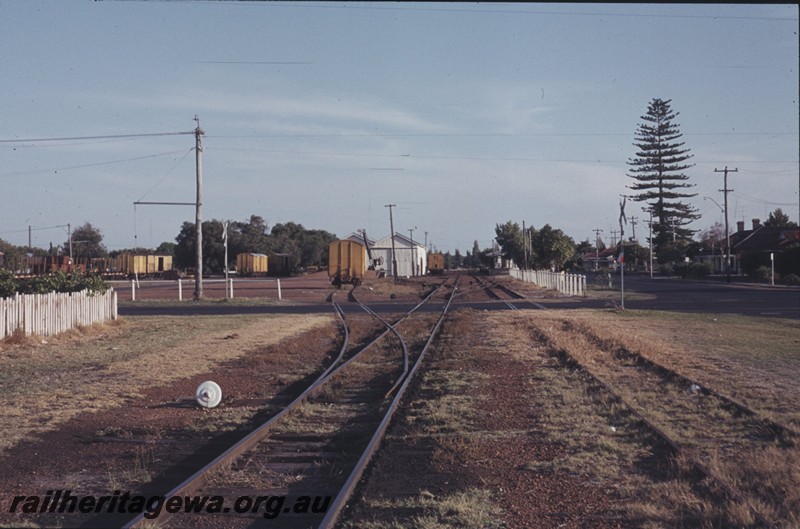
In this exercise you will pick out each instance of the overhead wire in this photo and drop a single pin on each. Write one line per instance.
(83, 166)
(104, 137)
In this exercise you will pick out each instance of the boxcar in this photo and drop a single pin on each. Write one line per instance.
(435, 263)
(281, 264)
(133, 265)
(347, 262)
(252, 264)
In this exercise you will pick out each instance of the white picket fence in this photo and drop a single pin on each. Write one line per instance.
(569, 284)
(49, 314)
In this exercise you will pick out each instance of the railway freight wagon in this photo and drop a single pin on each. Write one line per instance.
(133, 265)
(48, 264)
(252, 264)
(436, 263)
(347, 262)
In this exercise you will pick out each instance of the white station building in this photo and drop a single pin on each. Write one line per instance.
(412, 257)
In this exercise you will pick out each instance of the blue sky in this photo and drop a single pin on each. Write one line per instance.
(464, 115)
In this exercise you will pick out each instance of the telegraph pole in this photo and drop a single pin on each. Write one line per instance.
(394, 251)
(524, 247)
(650, 240)
(413, 253)
(614, 237)
(597, 233)
(225, 238)
(633, 220)
(725, 190)
(198, 217)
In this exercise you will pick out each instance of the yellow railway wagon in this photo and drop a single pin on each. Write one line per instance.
(252, 264)
(436, 263)
(143, 265)
(347, 262)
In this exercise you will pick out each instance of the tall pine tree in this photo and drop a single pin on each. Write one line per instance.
(658, 171)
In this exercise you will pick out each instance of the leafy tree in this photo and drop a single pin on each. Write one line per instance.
(458, 259)
(248, 237)
(166, 248)
(310, 247)
(778, 218)
(509, 237)
(87, 242)
(8, 283)
(476, 255)
(713, 235)
(658, 173)
(550, 248)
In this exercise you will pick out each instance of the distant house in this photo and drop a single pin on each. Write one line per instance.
(759, 246)
(602, 260)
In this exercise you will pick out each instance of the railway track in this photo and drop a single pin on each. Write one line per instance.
(715, 435)
(300, 467)
(502, 293)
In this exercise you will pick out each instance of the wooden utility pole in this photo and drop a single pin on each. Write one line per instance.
(597, 233)
(394, 251)
(725, 190)
(198, 217)
(633, 220)
(650, 240)
(524, 247)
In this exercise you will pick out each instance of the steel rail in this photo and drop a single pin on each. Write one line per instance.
(568, 359)
(198, 479)
(340, 502)
(393, 329)
(664, 371)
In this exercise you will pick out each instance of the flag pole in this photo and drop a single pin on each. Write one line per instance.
(622, 274)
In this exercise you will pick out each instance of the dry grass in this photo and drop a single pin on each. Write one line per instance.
(44, 383)
(472, 508)
(753, 358)
(600, 440)
(374, 288)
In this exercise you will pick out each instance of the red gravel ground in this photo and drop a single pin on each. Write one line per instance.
(433, 461)
(156, 441)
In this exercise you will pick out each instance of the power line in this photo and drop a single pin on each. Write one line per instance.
(765, 202)
(350, 7)
(489, 134)
(107, 137)
(83, 166)
(32, 228)
(479, 158)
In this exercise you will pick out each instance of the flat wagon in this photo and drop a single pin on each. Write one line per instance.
(347, 262)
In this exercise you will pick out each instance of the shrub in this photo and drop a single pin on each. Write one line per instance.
(8, 283)
(792, 280)
(762, 273)
(666, 269)
(63, 282)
